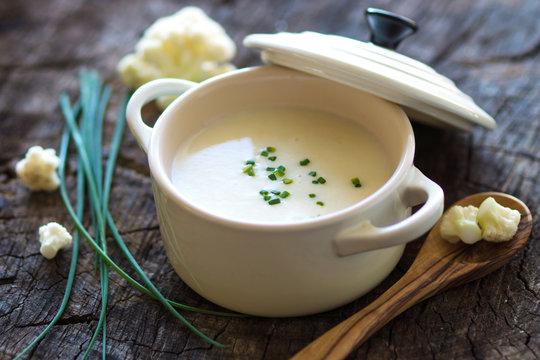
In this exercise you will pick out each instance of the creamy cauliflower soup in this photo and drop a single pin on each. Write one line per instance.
(279, 165)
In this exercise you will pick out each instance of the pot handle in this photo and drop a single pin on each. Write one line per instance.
(143, 95)
(366, 237)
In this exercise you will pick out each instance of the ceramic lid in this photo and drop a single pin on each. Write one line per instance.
(425, 95)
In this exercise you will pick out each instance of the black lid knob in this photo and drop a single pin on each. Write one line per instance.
(388, 29)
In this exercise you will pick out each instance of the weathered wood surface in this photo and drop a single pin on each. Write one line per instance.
(490, 48)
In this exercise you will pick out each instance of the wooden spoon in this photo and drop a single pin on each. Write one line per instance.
(439, 265)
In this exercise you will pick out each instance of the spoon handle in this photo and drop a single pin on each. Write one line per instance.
(419, 283)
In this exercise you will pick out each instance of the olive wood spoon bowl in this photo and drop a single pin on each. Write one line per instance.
(438, 266)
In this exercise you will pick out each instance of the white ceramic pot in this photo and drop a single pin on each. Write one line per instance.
(283, 269)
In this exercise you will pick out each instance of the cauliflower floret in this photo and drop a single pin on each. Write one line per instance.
(459, 223)
(498, 223)
(53, 237)
(38, 169)
(186, 45)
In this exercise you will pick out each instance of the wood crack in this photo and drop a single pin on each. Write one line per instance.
(131, 164)
(521, 276)
(7, 280)
(527, 54)
(71, 320)
(137, 230)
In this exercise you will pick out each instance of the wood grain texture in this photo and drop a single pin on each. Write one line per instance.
(489, 47)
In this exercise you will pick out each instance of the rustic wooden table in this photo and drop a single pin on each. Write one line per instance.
(489, 48)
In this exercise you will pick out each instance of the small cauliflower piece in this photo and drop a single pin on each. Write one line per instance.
(53, 237)
(186, 45)
(498, 223)
(490, 222)
(459, 223)
(38, 169)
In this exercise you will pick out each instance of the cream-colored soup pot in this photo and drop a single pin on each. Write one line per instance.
(294, 268)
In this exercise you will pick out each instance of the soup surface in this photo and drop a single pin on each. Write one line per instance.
(279, 165)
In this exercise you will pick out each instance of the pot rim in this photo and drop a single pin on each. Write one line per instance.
(163, 181)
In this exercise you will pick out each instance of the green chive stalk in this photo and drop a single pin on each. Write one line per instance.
(74, 249)
(84, 158)
(94, 106)
(64, 101)
(93, 182)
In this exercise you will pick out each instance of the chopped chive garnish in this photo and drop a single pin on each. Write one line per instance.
(274, 201)
(250, 162)
(272, 177)
(314, 182)
(251, 172)
(275, 192)
(320, 203)
(248, 168)
(287, 181)
(270, 149)
(321, 180)
(270, 169)
(312, 195)
(312, 173)
(267, 197)
(272, 158)
(284, 194)
(263, 192)
(280, 171)
(356, 182)
(304, 162)
(264, 153)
